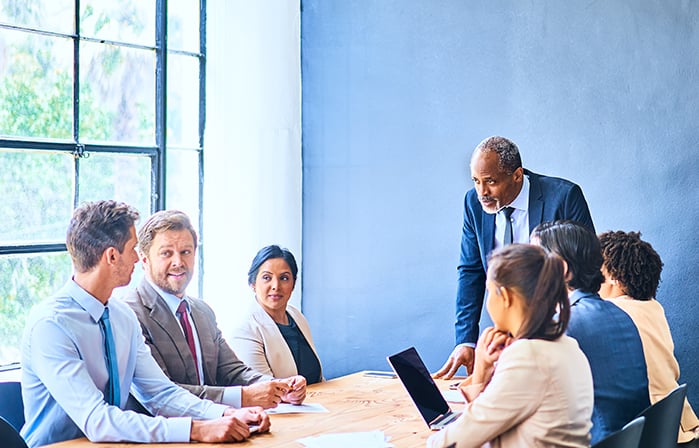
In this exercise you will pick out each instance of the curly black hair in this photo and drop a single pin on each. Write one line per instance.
(632, 262)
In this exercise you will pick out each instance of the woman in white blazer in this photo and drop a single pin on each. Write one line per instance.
(275, 338)
(531, 384)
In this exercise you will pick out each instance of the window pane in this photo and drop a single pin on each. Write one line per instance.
(117, 94)
(50, 15)
(37, 196)
(25, 281)
(182, 182)
(123, 178)
(183, 101)
(183, 25)
(182, 185)
(130, 21)
(36, 85)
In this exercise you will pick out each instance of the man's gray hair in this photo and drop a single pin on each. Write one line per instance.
(508, 153)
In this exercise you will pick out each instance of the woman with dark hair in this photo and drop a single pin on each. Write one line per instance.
(275, 339)
(632, 273)
(531, 384)
(606, 335)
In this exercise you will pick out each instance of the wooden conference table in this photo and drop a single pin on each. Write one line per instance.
(356, 403)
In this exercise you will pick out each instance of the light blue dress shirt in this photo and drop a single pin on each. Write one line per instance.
(64, 376)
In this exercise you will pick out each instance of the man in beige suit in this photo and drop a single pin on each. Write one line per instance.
(182, 332)
(625, 256)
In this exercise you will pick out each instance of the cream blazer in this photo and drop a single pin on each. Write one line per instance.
(260, 345)
(658, 347)
(540, 395)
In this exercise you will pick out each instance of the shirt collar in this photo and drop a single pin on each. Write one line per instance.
(521, 202)
(87, 301)
(578, 294)
(171, 300)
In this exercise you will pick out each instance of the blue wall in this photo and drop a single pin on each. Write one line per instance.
(397, 93)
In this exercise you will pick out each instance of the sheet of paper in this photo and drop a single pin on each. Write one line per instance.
(453, 396)
(304, 408)
(368, 439)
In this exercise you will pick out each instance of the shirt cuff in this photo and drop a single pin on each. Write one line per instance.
(233, 396)
(467, 344)
(180, 429)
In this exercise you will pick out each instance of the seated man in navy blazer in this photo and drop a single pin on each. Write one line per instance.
(505, 204)
(181, 331)
(605, 333)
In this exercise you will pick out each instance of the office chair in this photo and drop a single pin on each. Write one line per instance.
(663, 420)
(9, 436)
(627, 437)
(11, 406)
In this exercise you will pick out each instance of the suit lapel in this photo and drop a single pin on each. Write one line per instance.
(488, 236)
(536, 201)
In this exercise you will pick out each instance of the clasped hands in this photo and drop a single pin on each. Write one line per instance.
(269, 394)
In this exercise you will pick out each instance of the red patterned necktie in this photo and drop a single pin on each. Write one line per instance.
(188, 334)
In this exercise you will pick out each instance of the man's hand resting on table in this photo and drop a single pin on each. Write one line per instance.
(232, 427)
(267, 394)
(461, 356)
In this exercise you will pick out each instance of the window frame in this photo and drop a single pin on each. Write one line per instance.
(157, 153)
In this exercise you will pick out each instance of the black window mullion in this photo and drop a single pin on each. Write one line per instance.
(76, 103)
(202, 123)
(160, 104)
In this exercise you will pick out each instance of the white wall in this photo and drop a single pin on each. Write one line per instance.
(252, 146)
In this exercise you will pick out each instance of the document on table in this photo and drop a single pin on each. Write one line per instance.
(453, 396)
(305, 408)
(368, 439)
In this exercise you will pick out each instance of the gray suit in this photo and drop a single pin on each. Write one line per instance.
(169, 347)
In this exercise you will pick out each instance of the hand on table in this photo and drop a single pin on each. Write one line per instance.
(462, 355)
(234, 426)
(267, 394)
(296, 392)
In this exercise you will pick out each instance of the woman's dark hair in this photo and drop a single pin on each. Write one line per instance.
(268, 253)
(580, 249)
(537, 276)
(632, 262)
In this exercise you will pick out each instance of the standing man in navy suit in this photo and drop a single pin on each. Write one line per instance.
(503, 191)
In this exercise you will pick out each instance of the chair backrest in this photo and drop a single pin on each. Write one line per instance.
(663, 420)
(11, 406)
(627, 437)
(9, 437)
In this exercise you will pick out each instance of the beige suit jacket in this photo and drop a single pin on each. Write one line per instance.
(540, 395)
(658, 347)
(259, 343)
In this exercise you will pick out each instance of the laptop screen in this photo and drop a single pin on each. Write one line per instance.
(419, 383)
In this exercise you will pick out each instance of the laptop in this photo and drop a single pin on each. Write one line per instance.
(422, 389)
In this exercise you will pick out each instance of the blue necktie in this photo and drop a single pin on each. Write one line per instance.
(112, 394)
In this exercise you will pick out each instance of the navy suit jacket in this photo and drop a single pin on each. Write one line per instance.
(610, 340)
(550, 199)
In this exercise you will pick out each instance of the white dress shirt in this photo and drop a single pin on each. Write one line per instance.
(519, 218)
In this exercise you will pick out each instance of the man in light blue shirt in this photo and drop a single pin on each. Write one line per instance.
(65, 374)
